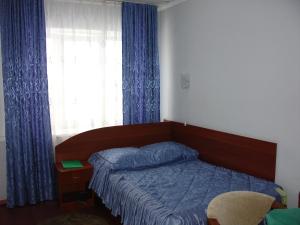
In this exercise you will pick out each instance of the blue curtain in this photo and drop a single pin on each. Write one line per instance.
(27, 119)
(140, 66)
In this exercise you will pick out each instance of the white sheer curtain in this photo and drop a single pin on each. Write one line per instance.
(84, 52)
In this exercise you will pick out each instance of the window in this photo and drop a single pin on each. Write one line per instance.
(84, 53)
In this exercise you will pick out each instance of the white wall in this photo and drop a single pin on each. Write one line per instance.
(2, 140)
(243, 58)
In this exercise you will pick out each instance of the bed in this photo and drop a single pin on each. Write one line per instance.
(176, 192)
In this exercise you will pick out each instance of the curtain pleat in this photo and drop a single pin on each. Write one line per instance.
(140, 64)
(27, 120)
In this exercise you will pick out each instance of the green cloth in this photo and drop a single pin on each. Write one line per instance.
(284, 217)
(71, 164)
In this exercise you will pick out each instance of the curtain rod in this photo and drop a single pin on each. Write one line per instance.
(99, 2)
(94, 2)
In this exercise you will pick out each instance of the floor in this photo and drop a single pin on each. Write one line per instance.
(32, 215)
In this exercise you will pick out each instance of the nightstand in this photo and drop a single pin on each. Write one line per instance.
(73, 185)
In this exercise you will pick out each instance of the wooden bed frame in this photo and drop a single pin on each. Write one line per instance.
(248, 155)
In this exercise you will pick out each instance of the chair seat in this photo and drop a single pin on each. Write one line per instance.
(240, 208)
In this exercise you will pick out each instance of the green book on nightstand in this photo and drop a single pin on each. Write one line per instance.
(71, 164)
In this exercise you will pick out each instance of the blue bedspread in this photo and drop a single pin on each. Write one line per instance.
(174, 194)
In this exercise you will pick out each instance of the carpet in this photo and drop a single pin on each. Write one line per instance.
(75, 219)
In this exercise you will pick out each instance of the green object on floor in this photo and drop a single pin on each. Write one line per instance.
(284, 217)
(71, 164)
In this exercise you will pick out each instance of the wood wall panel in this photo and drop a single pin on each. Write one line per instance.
(235, 152)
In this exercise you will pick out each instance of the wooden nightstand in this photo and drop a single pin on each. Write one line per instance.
(73, 185)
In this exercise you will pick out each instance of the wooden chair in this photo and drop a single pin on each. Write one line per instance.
(240, 208)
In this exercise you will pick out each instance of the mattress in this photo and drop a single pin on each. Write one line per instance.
(177, 193)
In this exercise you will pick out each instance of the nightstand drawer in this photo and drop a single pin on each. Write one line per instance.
(75, 177)
(73, 187)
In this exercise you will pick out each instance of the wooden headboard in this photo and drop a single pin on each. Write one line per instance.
(248, 155)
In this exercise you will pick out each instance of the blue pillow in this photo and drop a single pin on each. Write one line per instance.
(164, 152)
(117, 158)
(146, 156)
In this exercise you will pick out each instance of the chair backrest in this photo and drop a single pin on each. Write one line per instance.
(239, 208)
